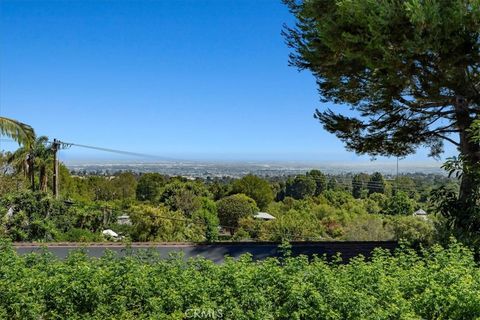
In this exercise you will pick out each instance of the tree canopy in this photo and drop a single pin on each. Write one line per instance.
(18, 131)
(256, 188)
(232, 208)
(300, 187)
(320, 180)
(410, 70)
(149, 184)
(376, 184)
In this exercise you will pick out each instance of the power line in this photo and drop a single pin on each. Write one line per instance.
(68, 144)
(65, 145)
(350, 183)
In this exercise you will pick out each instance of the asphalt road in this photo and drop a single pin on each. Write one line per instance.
(215, 252)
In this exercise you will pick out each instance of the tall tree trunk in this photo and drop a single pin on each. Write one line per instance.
(468, 149)
(31, 172)
(43, 179)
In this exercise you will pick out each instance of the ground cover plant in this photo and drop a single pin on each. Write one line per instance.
(437, 283)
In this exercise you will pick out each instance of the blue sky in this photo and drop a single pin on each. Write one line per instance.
(183, 79)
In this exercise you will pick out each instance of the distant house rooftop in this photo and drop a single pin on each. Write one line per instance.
(263, 216)
(420, 212)
(125, 219)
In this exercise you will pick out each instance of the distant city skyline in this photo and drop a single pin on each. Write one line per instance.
(193, 80)
(207, 170)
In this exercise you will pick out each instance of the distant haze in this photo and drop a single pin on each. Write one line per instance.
(199, 80)
(239, 168)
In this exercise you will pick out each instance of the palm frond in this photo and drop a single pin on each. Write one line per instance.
(18, 131)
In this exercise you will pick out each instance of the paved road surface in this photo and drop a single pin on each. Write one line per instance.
(216, 252)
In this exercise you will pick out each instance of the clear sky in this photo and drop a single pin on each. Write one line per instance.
(184, 79)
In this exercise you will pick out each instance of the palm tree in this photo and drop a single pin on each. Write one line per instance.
(22, 160)
(43, 160)
(27, 159)
(18, 131)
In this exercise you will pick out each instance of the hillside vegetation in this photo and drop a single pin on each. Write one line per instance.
(312, 206)
(436, 284)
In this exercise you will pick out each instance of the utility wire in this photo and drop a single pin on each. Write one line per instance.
(374, 184)
(67, 144)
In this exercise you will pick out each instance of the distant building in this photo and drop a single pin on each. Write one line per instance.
(420, 213)
(125, 219)
(263, 216)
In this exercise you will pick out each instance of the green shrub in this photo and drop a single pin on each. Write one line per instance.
(435, 284)
(368, 228)
(80, 235)
(161, 224)
(400, 204)
(232, 208)
(413, 229)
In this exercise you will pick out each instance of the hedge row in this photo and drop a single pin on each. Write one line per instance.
(435, 284)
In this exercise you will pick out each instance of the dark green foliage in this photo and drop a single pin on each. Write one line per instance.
(320, 180)
(35, 217)
(435, 284)
(149, 184)
(183, 196)
(399, 203)
(219, 189)
(125, 185)
(394, 61)
(300, 187)
(332, 184)
(410, 70)
(376, 184)
(407, 185)
(462, 217)
(256, 188)
(461, 209)
(281, 190)
(359, 183)
(80, 235)
(232, 208)
(207, 216)
(36, 158)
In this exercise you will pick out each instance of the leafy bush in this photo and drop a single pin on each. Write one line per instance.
(162, 224)
(207, 217)
(413, 229)
(34, 216)
(183, 196)
(300, 187)
(368, 228)
(400, 204)
(232, 208)
(148, 187)
(80, 235)
(294, 225)
(256, 188)
(435, 284)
